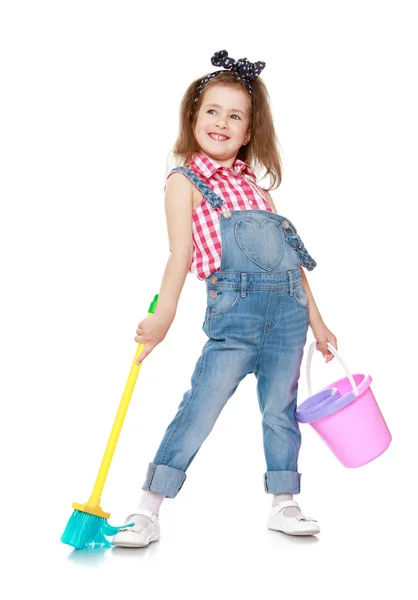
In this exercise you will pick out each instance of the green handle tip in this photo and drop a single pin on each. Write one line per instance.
(153, 304)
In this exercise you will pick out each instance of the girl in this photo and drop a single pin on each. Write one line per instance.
(225, 229)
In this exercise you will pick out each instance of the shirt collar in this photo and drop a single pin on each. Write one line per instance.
(208, 167)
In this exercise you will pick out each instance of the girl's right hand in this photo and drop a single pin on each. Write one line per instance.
(151, 331)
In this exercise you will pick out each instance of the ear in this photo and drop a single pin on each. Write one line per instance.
(247, 138)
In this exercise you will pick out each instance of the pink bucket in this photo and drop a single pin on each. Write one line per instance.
(346, 416)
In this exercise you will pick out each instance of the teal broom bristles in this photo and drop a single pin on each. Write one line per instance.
(85, 530)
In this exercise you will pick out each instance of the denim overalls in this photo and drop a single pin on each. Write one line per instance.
(256, 321)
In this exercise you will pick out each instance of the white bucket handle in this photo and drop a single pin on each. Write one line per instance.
(338, 355)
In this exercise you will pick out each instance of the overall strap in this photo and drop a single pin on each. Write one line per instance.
(293, 239)
(209, 194)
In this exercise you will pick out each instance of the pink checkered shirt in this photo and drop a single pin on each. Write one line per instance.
(238, 189)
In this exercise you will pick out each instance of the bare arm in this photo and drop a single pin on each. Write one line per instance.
(178, 208)
(315, 318)
(274, 209)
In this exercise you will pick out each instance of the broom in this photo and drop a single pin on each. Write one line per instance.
(88, 524)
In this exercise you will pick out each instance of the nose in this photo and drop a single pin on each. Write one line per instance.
(220, 122)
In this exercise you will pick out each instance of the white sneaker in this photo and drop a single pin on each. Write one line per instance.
(299, 525)
(138, 536)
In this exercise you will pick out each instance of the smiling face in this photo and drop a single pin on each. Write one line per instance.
(223, 122)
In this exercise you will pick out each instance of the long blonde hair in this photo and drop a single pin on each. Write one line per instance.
(262, 149)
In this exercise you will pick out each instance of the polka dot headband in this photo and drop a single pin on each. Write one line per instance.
(242, 68)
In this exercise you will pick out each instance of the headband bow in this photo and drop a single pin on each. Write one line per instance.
(242, 68)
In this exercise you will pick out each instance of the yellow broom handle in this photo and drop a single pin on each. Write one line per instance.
(95, 497)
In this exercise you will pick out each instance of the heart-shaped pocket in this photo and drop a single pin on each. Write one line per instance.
(263, 243)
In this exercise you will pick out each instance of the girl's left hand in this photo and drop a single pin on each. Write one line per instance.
(323, 335)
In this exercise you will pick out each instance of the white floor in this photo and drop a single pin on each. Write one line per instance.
(215, 541)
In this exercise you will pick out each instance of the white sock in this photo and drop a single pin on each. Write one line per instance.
(151, 501)
(290, 511)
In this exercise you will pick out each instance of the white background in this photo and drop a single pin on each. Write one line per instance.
(89, 112)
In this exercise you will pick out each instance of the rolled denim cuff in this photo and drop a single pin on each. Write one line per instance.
(282, 482)
(164, 480)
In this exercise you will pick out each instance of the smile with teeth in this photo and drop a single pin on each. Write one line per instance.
(219, 138)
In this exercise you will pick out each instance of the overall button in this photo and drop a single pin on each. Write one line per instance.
(227, 214)
(285, 224)
(213, 294)
(213, 279)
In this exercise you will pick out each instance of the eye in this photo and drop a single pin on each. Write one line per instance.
(213, 110)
